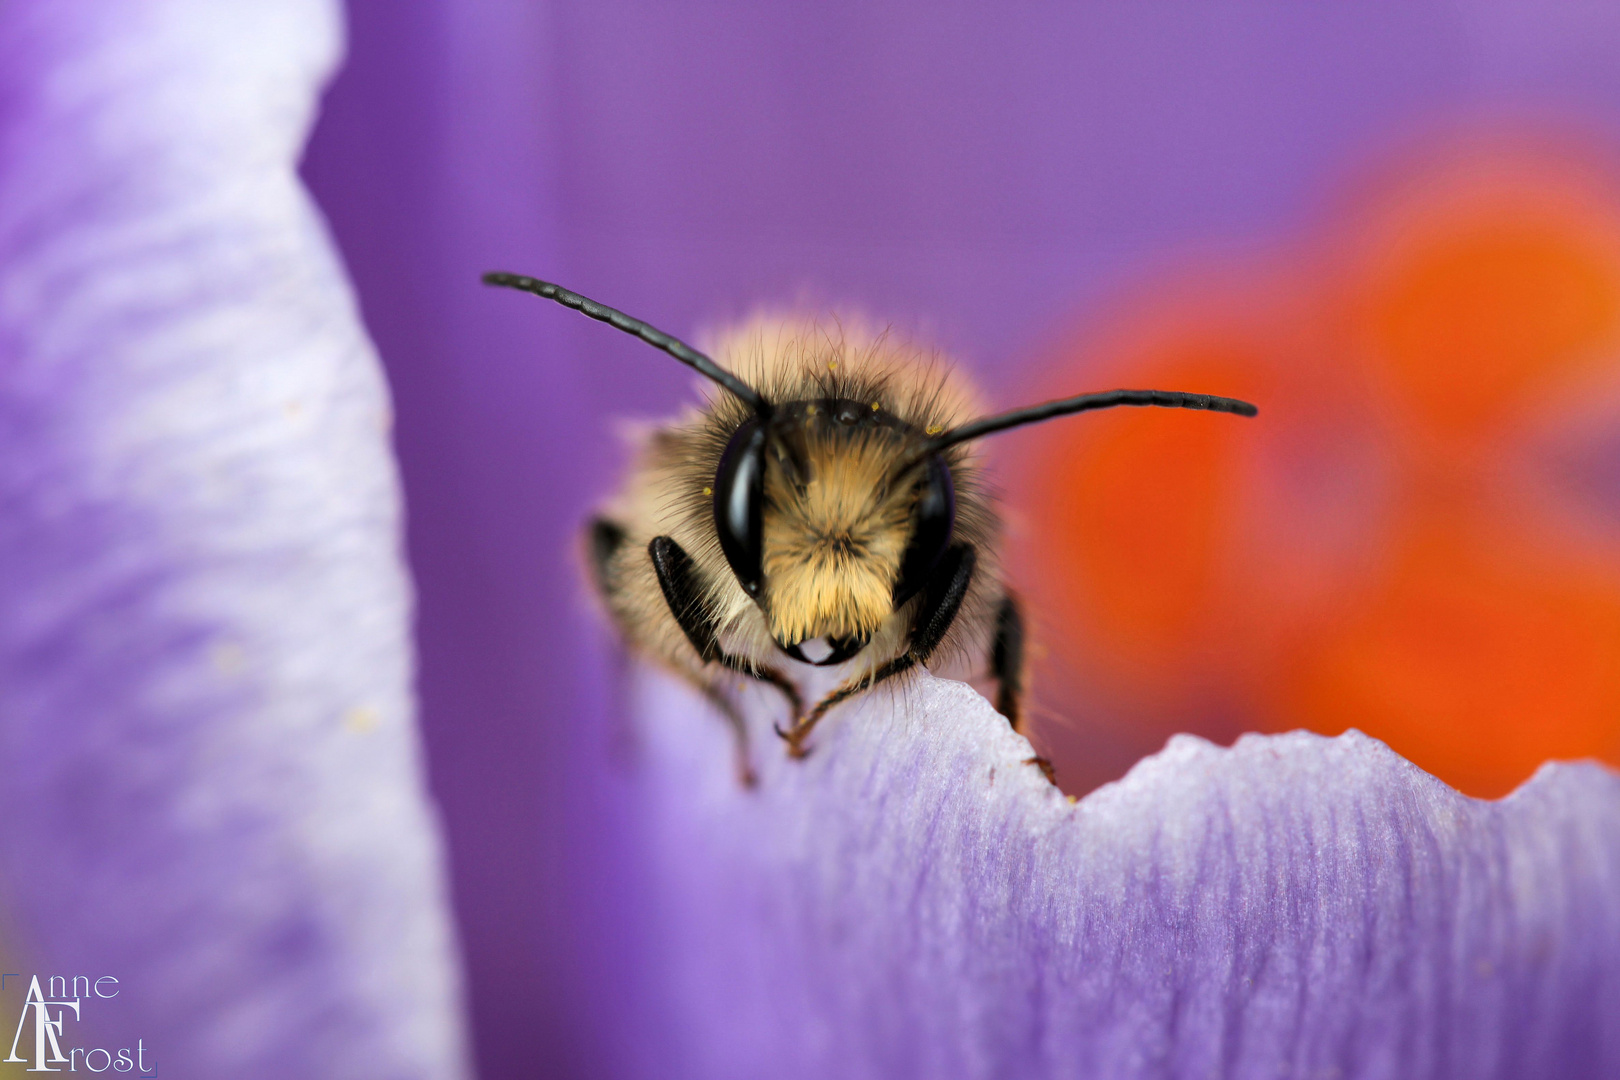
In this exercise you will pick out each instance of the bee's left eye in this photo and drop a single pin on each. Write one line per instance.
(739, 500)
(933, 520)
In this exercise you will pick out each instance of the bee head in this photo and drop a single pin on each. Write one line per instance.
(817, 526)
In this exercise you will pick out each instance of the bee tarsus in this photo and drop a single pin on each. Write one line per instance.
(1045, 766)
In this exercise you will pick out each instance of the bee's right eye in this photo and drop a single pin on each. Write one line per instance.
(739, 498)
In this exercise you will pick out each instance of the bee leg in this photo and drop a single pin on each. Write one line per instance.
(739, 730)
(767, 675)
(941, 600)
(677, 577)
(603, 539)
(1007, 662)
(1007, 665)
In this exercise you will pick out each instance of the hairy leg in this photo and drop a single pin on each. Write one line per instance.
(1007, 662)
(1007, 665)
(734, 720)
(677, 577)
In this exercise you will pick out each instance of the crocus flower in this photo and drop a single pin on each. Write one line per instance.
(213, 787)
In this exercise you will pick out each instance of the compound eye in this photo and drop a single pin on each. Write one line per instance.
(739, 497)
(932, 521)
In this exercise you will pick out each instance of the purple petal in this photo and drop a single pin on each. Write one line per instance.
(914, 900)
(214, 789)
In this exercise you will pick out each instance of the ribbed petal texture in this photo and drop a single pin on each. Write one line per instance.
(213, 782)
(915, 901)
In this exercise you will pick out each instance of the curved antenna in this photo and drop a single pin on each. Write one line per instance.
(1107, 399)
(677, 348)
(1034, 414)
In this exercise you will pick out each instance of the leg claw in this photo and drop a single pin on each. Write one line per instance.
(1046, 768)
(793, 736)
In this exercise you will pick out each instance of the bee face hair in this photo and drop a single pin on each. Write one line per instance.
(829, 497)
(836, 531)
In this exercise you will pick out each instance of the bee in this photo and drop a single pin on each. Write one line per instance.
(830, 511)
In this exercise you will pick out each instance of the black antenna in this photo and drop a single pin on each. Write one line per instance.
(677, 348)
(1034, 414)
(1107, 399)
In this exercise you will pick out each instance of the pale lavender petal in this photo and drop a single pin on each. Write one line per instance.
(213, 786)
(914, 901)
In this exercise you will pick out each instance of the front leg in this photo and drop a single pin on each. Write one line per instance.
(1007, 665)
(941, 600)
(677, 577)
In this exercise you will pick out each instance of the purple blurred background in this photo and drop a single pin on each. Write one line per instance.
(987, 174)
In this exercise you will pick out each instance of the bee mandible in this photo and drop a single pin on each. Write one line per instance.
(830, 510)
